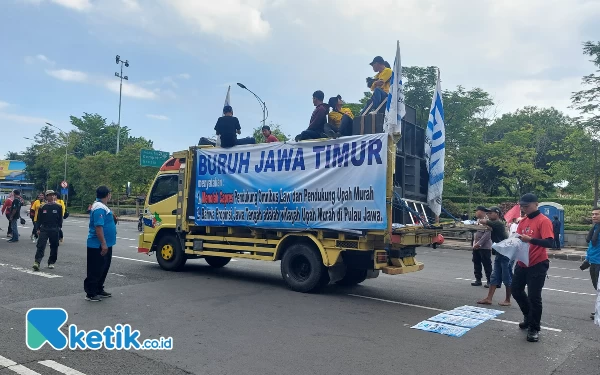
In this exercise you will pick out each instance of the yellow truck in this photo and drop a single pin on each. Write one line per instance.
(332, 211)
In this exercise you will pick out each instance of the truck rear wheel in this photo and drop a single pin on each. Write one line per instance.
(169, 255)
(217, 262)
(353, 276)
(302, 268)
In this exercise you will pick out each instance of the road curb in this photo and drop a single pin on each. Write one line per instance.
(560, 256)
(130, 220)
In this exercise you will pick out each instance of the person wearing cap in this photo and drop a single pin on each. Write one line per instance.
(502, 271)
(482, 250)
(269, 137)
(536, 230)
(318, 119)
(101, 239)
(380, 84)
(49, 222)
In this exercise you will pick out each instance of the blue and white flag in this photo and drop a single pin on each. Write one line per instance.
(435, 150)
(395, 109)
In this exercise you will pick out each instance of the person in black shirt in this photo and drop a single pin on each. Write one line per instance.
(228, 127)
(15, 215)
(502, 265)
(556, 229)
(50, 219)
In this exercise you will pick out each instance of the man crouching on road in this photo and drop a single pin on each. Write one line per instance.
(535, 229)
(101, 238)
(49, 222)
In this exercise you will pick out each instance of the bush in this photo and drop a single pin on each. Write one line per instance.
(582, 228)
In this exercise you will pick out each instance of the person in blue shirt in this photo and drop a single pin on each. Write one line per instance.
(102, 237)
(592, 257)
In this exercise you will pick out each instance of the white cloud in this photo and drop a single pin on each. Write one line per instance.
(68, 75)
(230, 19)
(3, 105)
(184, 76)
(131, 5)
(12, 118)
(170, 81)
(32, 60)
(80, 5)
(159, 117)
(131, 90)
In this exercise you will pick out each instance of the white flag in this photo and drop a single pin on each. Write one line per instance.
(227, 98)
(435, 150)
(395, 110)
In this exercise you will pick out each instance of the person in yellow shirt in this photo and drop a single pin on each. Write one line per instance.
(380, 84)
(340, 118)
(64, 210)
(33, 212)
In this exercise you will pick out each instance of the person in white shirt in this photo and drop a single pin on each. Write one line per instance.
(513, 227)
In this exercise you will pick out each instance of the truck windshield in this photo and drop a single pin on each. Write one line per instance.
(164, 187)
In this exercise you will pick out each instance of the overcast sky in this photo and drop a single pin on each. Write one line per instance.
(58, 57)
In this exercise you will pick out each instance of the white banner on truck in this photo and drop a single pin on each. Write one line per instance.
(334, 184)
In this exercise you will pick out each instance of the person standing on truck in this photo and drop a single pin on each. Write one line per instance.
(318, 119)
(502, 265)
(482, 250)
(102, 237)
(50, 219)
(536, 230)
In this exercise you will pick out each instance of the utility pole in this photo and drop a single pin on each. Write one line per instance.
(263, 105)
(126, 62)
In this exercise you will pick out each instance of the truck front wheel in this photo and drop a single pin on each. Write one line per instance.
(353, 276)
(302, 268)
(217, 262)
(169, 255)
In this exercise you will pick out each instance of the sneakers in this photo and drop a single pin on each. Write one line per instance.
(533, 335)
(92, 298)
(476, 283)
(36, 266)
(104, 294)
(51, 266)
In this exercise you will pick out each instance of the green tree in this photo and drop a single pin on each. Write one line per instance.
(418, 90)
(588, 102)
(11, 155)
(357, 107)
(275, 130)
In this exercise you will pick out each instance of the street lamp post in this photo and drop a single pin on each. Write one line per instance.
(66, 151)
(126, 62)
(263, 105)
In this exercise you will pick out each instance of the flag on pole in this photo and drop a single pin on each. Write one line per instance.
(395, 110)
(435, 150)
(227, 98)
(513, 213)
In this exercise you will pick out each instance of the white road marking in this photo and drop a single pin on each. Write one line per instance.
(436, 309)
(83, 226)
(566, 269)
(550, 289)
(116, 274)
(5, 362)
(22, 370)
(568, 277)
(60, 368)
(135, 260)
(31, 272)
(129, 239)
(135, 247)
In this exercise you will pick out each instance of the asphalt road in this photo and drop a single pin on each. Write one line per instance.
(242, 319)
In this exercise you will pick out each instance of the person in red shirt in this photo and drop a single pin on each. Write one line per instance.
(269, 137)
(6, 211)
(535, 229)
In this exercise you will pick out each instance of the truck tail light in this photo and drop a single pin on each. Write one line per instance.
(381, 257)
